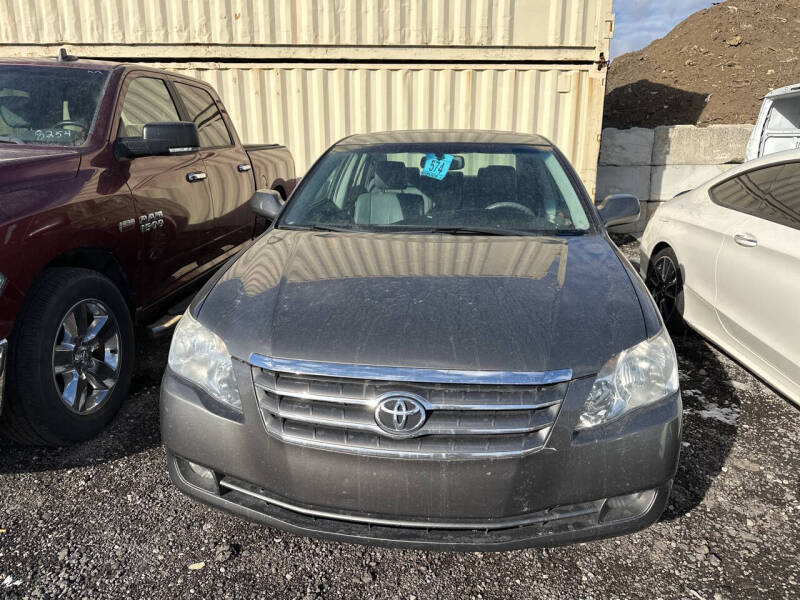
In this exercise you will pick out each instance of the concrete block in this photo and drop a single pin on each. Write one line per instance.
(670, 180)
(690, 145)
(623, 180)
(624, 147)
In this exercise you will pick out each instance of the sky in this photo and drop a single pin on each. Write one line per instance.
(639, 22)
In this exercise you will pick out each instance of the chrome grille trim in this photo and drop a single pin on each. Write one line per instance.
(559, 513)
(302, 395)
(416, 454)
(408, 374)
(464, 421)
(429, 430)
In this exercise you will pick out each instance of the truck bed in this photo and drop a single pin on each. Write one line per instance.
(272, 164)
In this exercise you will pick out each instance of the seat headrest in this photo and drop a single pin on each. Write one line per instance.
(497, 179)
(392, 174)
(413, 176)
(498, 175)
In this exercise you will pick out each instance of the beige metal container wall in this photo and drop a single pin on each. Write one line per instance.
(306, 73)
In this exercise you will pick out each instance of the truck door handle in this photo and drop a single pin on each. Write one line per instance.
(192, 177)
(745, 239)
(243, 167)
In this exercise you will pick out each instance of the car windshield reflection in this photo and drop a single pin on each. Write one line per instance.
(477, 189)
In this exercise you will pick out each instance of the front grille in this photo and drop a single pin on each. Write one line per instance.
(463, 420)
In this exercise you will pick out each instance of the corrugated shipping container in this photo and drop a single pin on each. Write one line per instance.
(308, 72)
(309, 107)
(358, 29)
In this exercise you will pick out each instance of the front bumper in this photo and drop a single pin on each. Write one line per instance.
(3, 361)
(611, 480)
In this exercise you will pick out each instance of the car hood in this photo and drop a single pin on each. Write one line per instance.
(428, 301)
(22, 167)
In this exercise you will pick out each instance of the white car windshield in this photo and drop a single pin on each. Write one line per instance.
(52, 106)
(417, 187)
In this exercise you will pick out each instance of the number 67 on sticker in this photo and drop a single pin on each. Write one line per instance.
(436, 168)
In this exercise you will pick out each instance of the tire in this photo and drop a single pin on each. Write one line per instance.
(665, 282)
(51, 362)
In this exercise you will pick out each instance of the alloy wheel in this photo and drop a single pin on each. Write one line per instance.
(663, 284)
(86, 357)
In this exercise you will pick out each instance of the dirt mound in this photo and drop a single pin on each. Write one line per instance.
(714, 67)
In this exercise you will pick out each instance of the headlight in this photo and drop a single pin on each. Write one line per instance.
(200, 356)
(637, 376)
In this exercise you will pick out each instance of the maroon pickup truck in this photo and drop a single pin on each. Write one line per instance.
(121, 189)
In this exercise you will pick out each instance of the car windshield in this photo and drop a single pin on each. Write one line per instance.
(477, 188)
(50, 106)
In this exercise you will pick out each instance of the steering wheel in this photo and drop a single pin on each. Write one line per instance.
(68, 122)
(512, 205)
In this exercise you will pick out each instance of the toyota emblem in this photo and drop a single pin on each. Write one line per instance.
(400, 414)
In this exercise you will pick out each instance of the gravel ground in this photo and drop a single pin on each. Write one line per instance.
(102, 520)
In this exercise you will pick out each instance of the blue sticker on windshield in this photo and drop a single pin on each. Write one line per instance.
(436, 168)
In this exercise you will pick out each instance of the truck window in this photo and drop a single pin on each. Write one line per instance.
(49, 106)
(147, 101)
(206, 116)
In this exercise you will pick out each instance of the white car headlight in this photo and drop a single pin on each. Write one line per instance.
(640, 375)
(199, 355)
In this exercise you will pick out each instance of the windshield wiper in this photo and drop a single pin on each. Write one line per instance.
(332, 228)
(5, 139)
(444, 230)
(568, 231)
(318, 228)
(475, 231)
(501, 231)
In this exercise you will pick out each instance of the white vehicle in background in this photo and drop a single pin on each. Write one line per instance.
(725, 259)
(778, 124)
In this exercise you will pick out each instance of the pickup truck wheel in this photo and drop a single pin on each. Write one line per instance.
(71, 359)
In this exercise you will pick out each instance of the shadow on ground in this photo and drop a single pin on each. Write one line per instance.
(134, 430)
(648, 104)
(707, 441)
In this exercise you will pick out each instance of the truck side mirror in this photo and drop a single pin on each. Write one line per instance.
(619, 209)
(266, 203)
(161, 139)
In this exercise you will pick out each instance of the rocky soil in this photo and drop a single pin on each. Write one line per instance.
(714, 67)
(102, 520)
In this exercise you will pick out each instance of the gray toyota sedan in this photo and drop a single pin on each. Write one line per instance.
(435, 345)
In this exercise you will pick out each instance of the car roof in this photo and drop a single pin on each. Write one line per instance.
(444, 136)
(767, 160)
(777, 158)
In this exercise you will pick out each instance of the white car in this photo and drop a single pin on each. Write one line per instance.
(725, 258)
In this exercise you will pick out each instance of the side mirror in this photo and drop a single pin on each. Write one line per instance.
(160, 139)
(619, 209)
(266, 203)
